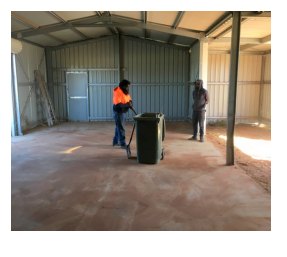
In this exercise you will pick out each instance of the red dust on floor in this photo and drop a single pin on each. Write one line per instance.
(258, 168)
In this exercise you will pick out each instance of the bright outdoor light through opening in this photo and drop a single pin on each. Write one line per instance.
(256, 148)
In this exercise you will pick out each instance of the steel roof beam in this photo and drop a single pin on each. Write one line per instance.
(242, 40)
(144, 20)
(266, 39)
(178, 19)
(218, 23)
(256, 14)
(245, 40)
(114, 30)
(23, 21)
(175, 25)
(29, 24)
(247, 46)
(227, 30)
(64, 21)
(107, 21)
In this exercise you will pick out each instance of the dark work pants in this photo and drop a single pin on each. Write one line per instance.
(119, 129)
(198, 118)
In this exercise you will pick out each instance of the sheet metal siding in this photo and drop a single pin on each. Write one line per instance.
(29, 59)
(249, 76)
(159, 77)
(265, 111)
(100, 59)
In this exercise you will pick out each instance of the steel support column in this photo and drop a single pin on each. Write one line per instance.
(16, 108)
(121, 62)
(234, 56)
(203, 67)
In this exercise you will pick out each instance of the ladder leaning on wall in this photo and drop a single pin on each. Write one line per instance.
(46, 100)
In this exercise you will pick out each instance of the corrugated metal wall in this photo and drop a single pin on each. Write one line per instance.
(265, 106)
(159, 77)
(248, 88)
(29, 59)
(158, 73)
(218, 77)
(194, 74)
(100, 59)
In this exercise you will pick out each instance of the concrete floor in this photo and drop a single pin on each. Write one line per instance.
(69, 177)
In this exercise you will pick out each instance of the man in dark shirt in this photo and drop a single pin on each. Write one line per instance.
(200, 99)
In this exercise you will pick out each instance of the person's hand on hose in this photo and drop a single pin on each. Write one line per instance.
(130, 103)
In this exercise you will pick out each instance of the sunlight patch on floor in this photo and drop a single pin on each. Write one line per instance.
(71, 150)
(258, 149)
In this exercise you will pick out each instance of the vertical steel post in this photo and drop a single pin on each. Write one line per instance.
(235, 43)
(121, 58)
(203, 68)
(18, 129)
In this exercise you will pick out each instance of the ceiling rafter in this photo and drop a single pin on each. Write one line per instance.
(64, 21)
(228, 29)
(28, 23)
(246, 43)
(247, 46)
(110, 21)
(215, 33)
(245, 40)
(144, 19)
(218, 23)
(114, 29)
(24, 21)
(266, 39)
(256, 14)
(175, 25)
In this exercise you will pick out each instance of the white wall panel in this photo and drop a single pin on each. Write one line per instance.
(267, 72)
(29, 59)
(265, 111)
(248, 88)
(266, 102)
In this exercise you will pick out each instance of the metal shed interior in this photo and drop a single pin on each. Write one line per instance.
(67, 177)
(158, 51)
(184, 28)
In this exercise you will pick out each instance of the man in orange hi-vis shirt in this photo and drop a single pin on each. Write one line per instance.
(122, 101)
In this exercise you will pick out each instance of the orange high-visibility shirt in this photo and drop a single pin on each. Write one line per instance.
(120, 97)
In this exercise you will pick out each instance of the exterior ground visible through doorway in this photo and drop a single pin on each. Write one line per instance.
(252, 150)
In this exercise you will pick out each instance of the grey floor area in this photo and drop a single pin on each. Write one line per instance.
(70, 177)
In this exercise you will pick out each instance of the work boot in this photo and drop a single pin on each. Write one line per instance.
(201, 139)
(193, 138)
(116, 144)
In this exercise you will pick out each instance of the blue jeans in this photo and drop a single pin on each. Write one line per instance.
(119, 137)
